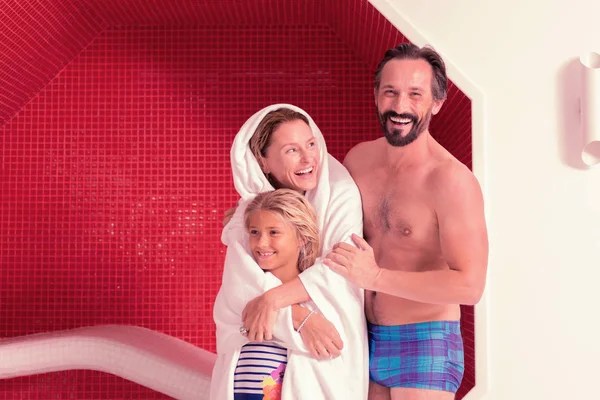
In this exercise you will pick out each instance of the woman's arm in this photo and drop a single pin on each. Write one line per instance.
(243, 280)
(318, 334)
(327, 289)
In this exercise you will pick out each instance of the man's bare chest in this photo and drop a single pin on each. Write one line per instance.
(400, 208)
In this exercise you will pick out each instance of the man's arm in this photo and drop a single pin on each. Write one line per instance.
(464, 245)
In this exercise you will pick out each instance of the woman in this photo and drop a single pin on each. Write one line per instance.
(284, 241)
(280, 146)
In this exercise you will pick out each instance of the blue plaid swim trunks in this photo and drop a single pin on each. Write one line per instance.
(426, 355)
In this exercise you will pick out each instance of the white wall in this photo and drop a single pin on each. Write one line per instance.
(543, 291)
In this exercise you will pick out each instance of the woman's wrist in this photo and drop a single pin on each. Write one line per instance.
(304, 321)
(298, 315)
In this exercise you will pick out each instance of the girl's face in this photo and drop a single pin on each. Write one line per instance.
(274, 244)
(292, 157)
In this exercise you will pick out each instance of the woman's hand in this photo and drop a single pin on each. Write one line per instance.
(259, 317)
(319, 335)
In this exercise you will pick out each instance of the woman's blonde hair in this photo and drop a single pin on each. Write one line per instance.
(261, 139)
(296, 211)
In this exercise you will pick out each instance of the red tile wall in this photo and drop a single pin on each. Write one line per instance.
(208, 12)
(37, 40)
(115, 175)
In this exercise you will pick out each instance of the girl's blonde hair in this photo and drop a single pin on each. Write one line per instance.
(296, 211)
(261, 139)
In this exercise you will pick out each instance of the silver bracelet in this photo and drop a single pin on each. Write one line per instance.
(304, 320)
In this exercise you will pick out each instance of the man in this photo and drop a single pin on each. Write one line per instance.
(425, 244)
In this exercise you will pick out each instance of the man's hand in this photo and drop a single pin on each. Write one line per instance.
(259, 318)
(319, 335)
(357, 264)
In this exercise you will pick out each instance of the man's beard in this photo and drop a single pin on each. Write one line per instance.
(394, 137)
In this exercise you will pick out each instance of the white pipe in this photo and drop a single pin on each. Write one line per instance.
(590, 108)
(152, 359)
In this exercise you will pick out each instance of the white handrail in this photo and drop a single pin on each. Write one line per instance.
(152, 359)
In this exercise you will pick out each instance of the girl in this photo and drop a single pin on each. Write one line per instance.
(283, 239)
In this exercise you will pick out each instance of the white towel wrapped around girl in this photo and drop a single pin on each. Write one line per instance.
(336, 200)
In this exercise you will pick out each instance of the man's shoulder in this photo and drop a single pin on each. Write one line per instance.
(450, 177)
(361, 153)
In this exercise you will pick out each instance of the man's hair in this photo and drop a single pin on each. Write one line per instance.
(296, 211)
(261, 139)
(408, 51)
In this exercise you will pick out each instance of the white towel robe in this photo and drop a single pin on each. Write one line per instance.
(339, 211)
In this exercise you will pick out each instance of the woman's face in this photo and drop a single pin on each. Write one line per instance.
(292, 158)
(274, 244)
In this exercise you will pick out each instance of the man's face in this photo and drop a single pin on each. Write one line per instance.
(405, 101)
